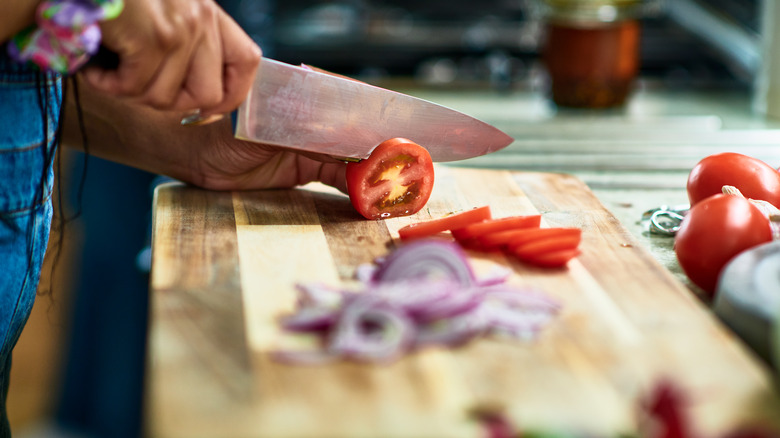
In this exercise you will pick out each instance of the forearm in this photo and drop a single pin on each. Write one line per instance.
(15, 15)
(136, 135)
(207, 156)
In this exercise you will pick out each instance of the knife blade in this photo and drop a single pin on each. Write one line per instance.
(300, 108)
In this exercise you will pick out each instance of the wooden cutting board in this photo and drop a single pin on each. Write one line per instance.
(225, 266)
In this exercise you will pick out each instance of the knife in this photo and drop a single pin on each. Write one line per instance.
(299, 108)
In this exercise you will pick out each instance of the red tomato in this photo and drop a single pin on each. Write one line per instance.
(396, 180)
(496, 225)
(551, 244)
(553, 259)
(545, 247)
(523, 237)
(753, 177)
(446, 223)
(713, 232)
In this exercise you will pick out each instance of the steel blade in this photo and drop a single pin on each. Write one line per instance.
(295, 107)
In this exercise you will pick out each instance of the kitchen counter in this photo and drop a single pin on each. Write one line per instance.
(635, 158)
(225, 265)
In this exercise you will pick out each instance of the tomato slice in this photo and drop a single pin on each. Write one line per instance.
(523, 237)
(446, 223)
(497, 225)
(501, 238)
(396, 180)
(554, 259)
(551, 244)
(545, 247)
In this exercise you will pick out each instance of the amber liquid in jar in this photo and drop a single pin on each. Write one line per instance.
(592, 66)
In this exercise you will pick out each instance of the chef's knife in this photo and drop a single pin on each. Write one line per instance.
(307, 110)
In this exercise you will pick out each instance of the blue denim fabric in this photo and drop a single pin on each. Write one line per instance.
(26, 179)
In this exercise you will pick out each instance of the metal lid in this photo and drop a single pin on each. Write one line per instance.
(592, 11)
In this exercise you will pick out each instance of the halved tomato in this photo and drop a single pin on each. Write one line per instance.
(396, 180)
(446, 223)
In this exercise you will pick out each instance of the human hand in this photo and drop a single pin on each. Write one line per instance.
(177, 55)
(225, 163)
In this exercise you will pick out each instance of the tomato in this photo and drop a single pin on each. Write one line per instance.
(552, 259)
(396, 180)
(524, 237)
(497, 225)
(446, 223)
(546, 245)
(753, 177)
(713, 232)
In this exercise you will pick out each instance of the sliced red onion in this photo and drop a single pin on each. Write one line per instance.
(520, 297)
(424, 293)
(425, 300)
(497, 275)
(370, 329)
(452, 331)
(512, 322)
(426, 259)
(365, 272)
(311, 319)
(317, 294)
(456, 302)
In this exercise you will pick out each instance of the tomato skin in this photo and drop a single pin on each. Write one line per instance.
(753, 177)
(537, 247)
(519, 236)
(395, 180)
(553, 259)
(546, 247)
(454, 221)
(713, 232)
(486, 227)
(530, 235)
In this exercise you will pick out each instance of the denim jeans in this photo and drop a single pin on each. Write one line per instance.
(29, 111)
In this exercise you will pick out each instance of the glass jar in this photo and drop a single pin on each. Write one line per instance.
(591, 51)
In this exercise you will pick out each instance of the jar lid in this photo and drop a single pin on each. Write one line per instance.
(592, 11)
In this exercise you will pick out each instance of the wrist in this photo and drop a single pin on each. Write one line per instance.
(65, 35)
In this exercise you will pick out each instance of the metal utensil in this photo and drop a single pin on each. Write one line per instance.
(299, 108)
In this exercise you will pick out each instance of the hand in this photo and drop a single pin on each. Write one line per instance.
(177, 55)
(208, 156)
(226, 163)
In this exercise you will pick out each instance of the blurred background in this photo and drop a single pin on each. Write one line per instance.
(437, 42)
(695, 79)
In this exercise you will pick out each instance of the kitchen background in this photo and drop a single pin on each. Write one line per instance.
(438, 42)
(78, 369)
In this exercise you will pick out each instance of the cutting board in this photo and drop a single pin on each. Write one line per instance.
(225, 266)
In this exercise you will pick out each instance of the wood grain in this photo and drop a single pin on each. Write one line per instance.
(225, 266)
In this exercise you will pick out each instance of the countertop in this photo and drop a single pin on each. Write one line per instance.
(634, 158)
(225, 265)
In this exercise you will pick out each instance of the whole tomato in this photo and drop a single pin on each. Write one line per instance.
(713, 232)
(753, 177)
